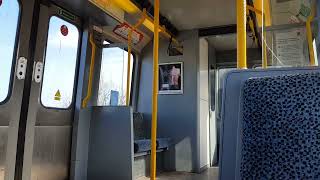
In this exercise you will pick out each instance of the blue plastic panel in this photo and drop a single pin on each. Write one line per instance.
(231, 106)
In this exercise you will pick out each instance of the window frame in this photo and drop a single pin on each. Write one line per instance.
(76, 72)
(14, 56)
(133, 77)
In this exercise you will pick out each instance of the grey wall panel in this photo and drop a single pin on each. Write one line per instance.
(111, 144)
(3, 149)
(203, 103)
(230, 113)
(177, 115)
(82, 117)
(80, 146)
(52, 153)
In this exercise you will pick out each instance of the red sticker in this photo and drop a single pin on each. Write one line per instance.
(0, 2)
(123, 29)
(64, 30)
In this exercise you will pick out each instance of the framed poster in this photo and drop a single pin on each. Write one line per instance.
(171, 78)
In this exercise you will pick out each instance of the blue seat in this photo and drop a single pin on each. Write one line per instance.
(270, 121)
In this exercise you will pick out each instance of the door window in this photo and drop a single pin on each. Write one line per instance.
(60, 64)
(9, 17)
(113, 77)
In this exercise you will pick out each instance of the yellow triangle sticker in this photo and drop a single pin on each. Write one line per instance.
(57, 96)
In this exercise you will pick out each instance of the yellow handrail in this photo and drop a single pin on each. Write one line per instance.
(153, 165)
(241, 34)
(310, 38)
(93, 57)
(143, 17)
(131, 8)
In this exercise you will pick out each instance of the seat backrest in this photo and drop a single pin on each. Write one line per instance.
(279, 127)
(238, 109)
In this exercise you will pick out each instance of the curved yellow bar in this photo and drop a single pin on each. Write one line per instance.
(310, 38)
(141, 20)
(93, 57)
(128, 69)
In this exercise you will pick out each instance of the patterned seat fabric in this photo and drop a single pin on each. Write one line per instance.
(140, 126)
(280, 127)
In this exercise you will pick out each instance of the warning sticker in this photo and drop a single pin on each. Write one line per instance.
(123, 29)
(57, 96)
(64, 30)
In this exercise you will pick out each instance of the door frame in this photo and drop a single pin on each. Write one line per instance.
(34, 105)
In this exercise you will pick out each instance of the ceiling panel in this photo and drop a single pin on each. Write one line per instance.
(194, 14)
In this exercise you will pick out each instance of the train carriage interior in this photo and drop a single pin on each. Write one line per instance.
(159, 89)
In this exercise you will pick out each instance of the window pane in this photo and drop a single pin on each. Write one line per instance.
(9, 14)
(60, 64)
(113, 77)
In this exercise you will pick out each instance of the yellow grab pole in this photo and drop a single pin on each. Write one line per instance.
(153, 165)
(91, 71)
(143, 17)
(310, 38)
(241, 34)
(129, 67)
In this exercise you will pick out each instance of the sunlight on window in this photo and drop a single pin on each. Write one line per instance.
(9, 14)
(60, 64)
(113, 77)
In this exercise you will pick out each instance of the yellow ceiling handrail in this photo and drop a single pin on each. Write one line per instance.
(143, 17)
(131, 8)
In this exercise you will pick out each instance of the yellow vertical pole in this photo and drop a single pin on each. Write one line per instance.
(241, 34)
(153, 165)
(310, 38)
(129, 67)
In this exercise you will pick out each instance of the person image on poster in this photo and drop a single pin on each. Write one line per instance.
(174, 79)
(170, 78)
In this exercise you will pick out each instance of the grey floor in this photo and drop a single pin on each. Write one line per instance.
(210, 174)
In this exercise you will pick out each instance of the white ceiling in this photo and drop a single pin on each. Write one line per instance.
(194, 14)
(228, 42)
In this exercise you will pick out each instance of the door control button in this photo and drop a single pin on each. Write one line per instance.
(22, 67)
(38, 72)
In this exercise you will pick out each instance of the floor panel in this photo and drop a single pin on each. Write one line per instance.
(210, 174)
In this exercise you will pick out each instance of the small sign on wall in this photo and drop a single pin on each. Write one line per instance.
(171, 78)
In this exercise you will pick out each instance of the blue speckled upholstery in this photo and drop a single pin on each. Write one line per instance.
(280, 127)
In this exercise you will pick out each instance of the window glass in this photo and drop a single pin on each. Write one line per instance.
(113, 77)
(60, 64)
(9, 15)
